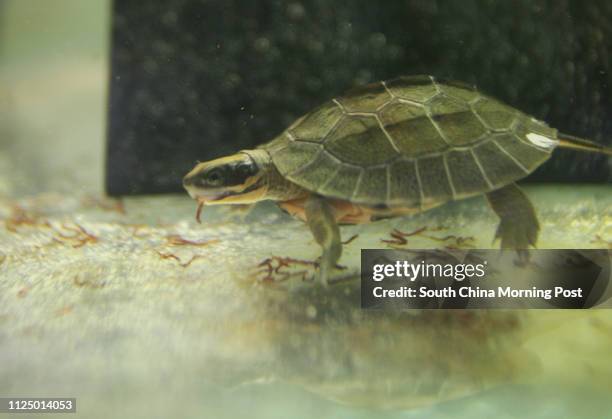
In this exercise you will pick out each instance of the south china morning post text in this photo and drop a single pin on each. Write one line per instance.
(393, 279)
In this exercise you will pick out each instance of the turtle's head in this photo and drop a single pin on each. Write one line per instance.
(235, 179)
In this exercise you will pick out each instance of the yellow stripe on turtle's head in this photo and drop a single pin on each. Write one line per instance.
(235, 179)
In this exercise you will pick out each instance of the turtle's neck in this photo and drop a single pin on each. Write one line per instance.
(278, 188)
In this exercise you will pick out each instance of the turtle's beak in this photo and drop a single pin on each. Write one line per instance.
(226, 180)
(194, 182)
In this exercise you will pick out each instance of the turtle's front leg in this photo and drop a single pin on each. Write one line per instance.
(321, 220)
(518, 225)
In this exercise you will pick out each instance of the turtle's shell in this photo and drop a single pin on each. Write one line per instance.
(410, 142)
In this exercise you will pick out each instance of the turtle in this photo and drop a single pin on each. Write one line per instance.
(387, 149)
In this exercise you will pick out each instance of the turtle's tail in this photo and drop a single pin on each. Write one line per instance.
(569, 141)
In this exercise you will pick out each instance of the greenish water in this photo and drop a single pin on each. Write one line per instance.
(92, 306)
(138, 311)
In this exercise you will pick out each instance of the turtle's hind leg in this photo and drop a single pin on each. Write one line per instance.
(321, 220)
(518, 225)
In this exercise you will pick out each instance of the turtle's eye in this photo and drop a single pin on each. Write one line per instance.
(214, 177)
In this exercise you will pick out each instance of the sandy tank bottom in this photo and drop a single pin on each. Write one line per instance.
(138, 311)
